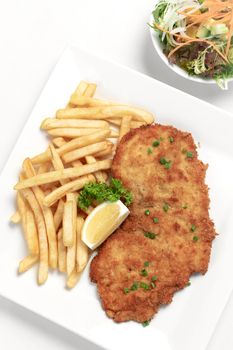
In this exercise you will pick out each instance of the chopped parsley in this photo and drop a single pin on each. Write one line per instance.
(193, 228)
(156, 143)
(156, 220)
(145, 323)
(150, 235)
(166, 163)
(126, 290)
(189, 154)
(146, 263)
(101, 192)
(134, 286)
(144, 285)
(188, 284)
(154, 278)
(149, 150)
(147, 212)
(195, 238)
(171, 139)
(165, 207)
(143, 272)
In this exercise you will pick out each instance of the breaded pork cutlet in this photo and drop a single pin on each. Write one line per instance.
(167, 236)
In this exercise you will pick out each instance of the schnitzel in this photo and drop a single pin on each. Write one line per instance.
(169, 233)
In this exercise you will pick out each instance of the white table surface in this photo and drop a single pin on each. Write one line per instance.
(33, 34)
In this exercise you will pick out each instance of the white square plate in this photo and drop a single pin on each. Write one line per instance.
(189, 321)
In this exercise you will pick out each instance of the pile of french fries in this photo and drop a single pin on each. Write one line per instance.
(84, 136)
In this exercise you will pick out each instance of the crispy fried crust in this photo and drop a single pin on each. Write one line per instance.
(174, 254)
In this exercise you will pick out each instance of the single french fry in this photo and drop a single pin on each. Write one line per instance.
(98, 174)
(82, 253)
(72, 186)
(125, 126)
(106, 112)
(133, 123)
(28, 225)
(59, 141)
(90, 90)
(58, 214)
(58, 175)
(81, 88)
(72, 133)
(61, 252)
(73, 144)
(71, 250)
(27, 263)
(43, 244)
(57, 162)
(68, 237)
(52, 123)
(89, 101)
(15, 218)
(47, 214)
(31, 233)
(73, 279)
(107, 152)
(84, 151)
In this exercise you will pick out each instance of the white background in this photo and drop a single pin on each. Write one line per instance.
(33, 34)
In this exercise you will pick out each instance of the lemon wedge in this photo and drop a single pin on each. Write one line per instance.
(103, 221)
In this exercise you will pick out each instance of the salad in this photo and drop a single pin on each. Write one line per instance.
(197, 35)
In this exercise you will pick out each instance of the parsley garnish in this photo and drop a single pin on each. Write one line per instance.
(189, 154)
(195, 238)
(101, 192)
(156, 220)
(150, 235)
(156, 143)
(149, 150)
(171, 139)
(144, 285)
(154, 278)
(126, 290)
(165, 207)
(146, 263)
(167, 163)
(193, 228)
(145, 323)
(134, 286)
(147, 212)
(144, 273)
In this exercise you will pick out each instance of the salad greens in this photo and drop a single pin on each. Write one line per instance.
(197, 35)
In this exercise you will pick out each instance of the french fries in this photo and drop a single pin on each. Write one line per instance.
(27, 263)
(71, 186)
(61, 252)
(72, 133)
(15, 218)
(43, 244)
(84, 151)
(125, 126)
(71, 249)
(83, 139)
(82, 253)
(52, 123)
(58, 175)
(72, 145)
